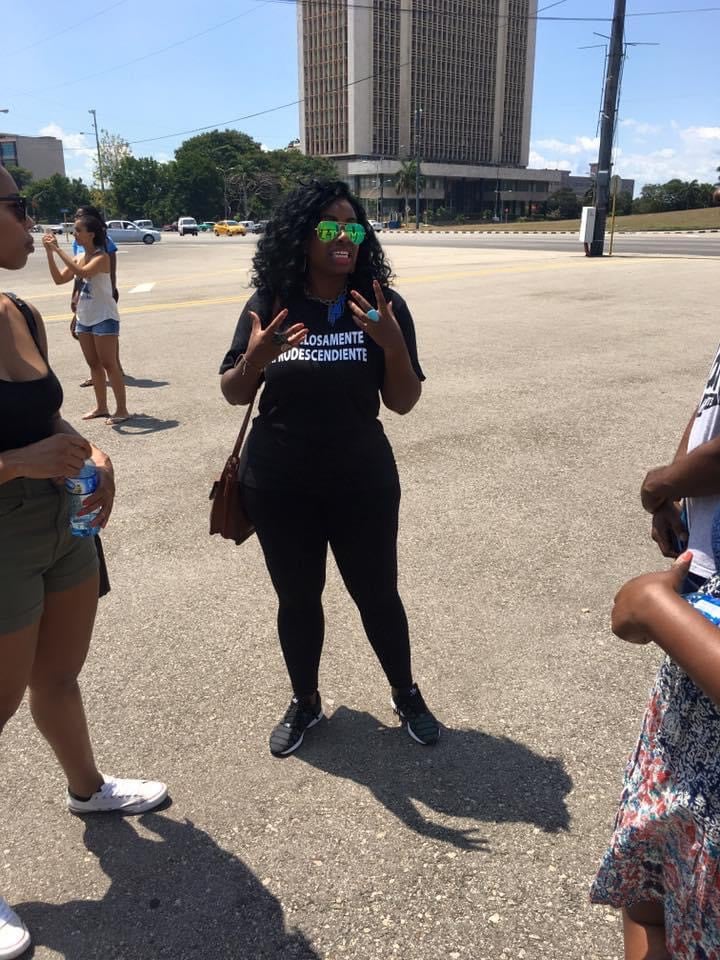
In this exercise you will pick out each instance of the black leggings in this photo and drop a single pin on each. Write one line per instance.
(361, 528)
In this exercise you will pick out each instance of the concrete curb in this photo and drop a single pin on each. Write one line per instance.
(559, 233)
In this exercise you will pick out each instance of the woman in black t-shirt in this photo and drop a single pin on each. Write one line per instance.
(328, 338)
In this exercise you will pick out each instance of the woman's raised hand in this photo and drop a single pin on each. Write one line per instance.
(266, 345)
(384, 330)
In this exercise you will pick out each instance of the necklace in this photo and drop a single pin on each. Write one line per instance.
(336, 308)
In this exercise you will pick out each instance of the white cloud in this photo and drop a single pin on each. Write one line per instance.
(580, 145)
(659, 154)
(701, 133)
(540, 162)
(79, 156)
(639, 127)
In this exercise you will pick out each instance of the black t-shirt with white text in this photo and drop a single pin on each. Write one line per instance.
(317, 423)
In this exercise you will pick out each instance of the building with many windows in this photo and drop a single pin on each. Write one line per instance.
(42, 156)
(446, 81)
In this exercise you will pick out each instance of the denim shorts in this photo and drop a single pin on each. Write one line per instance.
(38, 554)
(106, 328)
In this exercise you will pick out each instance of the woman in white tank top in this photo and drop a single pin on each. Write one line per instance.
(98, 321)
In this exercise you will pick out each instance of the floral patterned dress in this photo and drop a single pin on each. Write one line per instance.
(666, 843)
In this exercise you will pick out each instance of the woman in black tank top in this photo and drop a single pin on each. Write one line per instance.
(48, 578)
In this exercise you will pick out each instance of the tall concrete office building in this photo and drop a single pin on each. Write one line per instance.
(450, 80)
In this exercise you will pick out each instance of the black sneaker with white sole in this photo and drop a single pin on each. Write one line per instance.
(288, 734)
(414, 713)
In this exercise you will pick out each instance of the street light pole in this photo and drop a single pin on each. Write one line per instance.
(418, 126)
(382, 198)
(99, 156)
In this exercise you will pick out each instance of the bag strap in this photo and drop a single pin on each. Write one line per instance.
(29, 320)
(243, 428)
(246, 421)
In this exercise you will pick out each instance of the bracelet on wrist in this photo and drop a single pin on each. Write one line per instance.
(244, 365)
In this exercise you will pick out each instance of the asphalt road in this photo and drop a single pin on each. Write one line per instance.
(553, 383)
(676, 245)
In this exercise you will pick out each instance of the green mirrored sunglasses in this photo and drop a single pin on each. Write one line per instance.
(328, 230)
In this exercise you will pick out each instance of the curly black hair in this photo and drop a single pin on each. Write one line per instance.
(279, 264)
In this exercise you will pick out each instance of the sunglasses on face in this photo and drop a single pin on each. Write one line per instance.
(19, 206)
(328, 230)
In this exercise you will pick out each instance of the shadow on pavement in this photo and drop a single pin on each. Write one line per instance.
(140, 423)
(469, 774)
(144, 382)
(176, 895)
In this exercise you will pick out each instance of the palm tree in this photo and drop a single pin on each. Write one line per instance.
(405, 182)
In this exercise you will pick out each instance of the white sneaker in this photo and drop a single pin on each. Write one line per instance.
(121, 796)
(14, 936)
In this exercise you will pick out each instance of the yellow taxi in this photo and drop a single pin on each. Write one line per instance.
(229, 228)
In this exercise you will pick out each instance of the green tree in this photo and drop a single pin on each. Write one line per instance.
(624, 203)
(48, 198)
(563, 205)
(20, 175)
(197, 189)
(143, 188)
(113, 150)
(225, 148)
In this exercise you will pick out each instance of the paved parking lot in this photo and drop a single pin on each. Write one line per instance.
(553, 383)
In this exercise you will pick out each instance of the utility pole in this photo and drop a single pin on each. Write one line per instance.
(99, 157)
(607, 128)
(418, 127)
(382, 198)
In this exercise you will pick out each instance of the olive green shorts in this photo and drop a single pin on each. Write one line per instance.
(38, 554)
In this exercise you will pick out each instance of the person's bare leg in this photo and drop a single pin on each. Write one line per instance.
(108, 352)
(117, 357)
(644, 930)
(17, 652)
(55, 699)
(97, 372)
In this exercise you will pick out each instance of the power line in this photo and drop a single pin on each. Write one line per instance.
(153, 53)
(73, 26)
(295, 103)
(519, 16)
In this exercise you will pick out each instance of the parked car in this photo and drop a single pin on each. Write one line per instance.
(170, 227)
(187, 225)
(125, 231)
(259, 226)
(229, 228)
(206, 227)
(376, 225)
(248, 224)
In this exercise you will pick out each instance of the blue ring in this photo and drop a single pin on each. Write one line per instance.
(373, 315)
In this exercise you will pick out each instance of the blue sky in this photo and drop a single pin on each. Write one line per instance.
(202, 64)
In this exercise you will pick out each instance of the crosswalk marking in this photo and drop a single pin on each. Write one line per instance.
(142, 288)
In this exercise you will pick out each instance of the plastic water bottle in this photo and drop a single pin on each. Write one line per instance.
(80, 488)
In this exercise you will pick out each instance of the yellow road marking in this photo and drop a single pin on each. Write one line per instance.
(241, 296)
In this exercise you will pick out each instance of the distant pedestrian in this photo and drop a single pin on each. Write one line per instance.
(328, 338)
(48, 578)
(111, 248)
(98, 321)
(663, 864)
